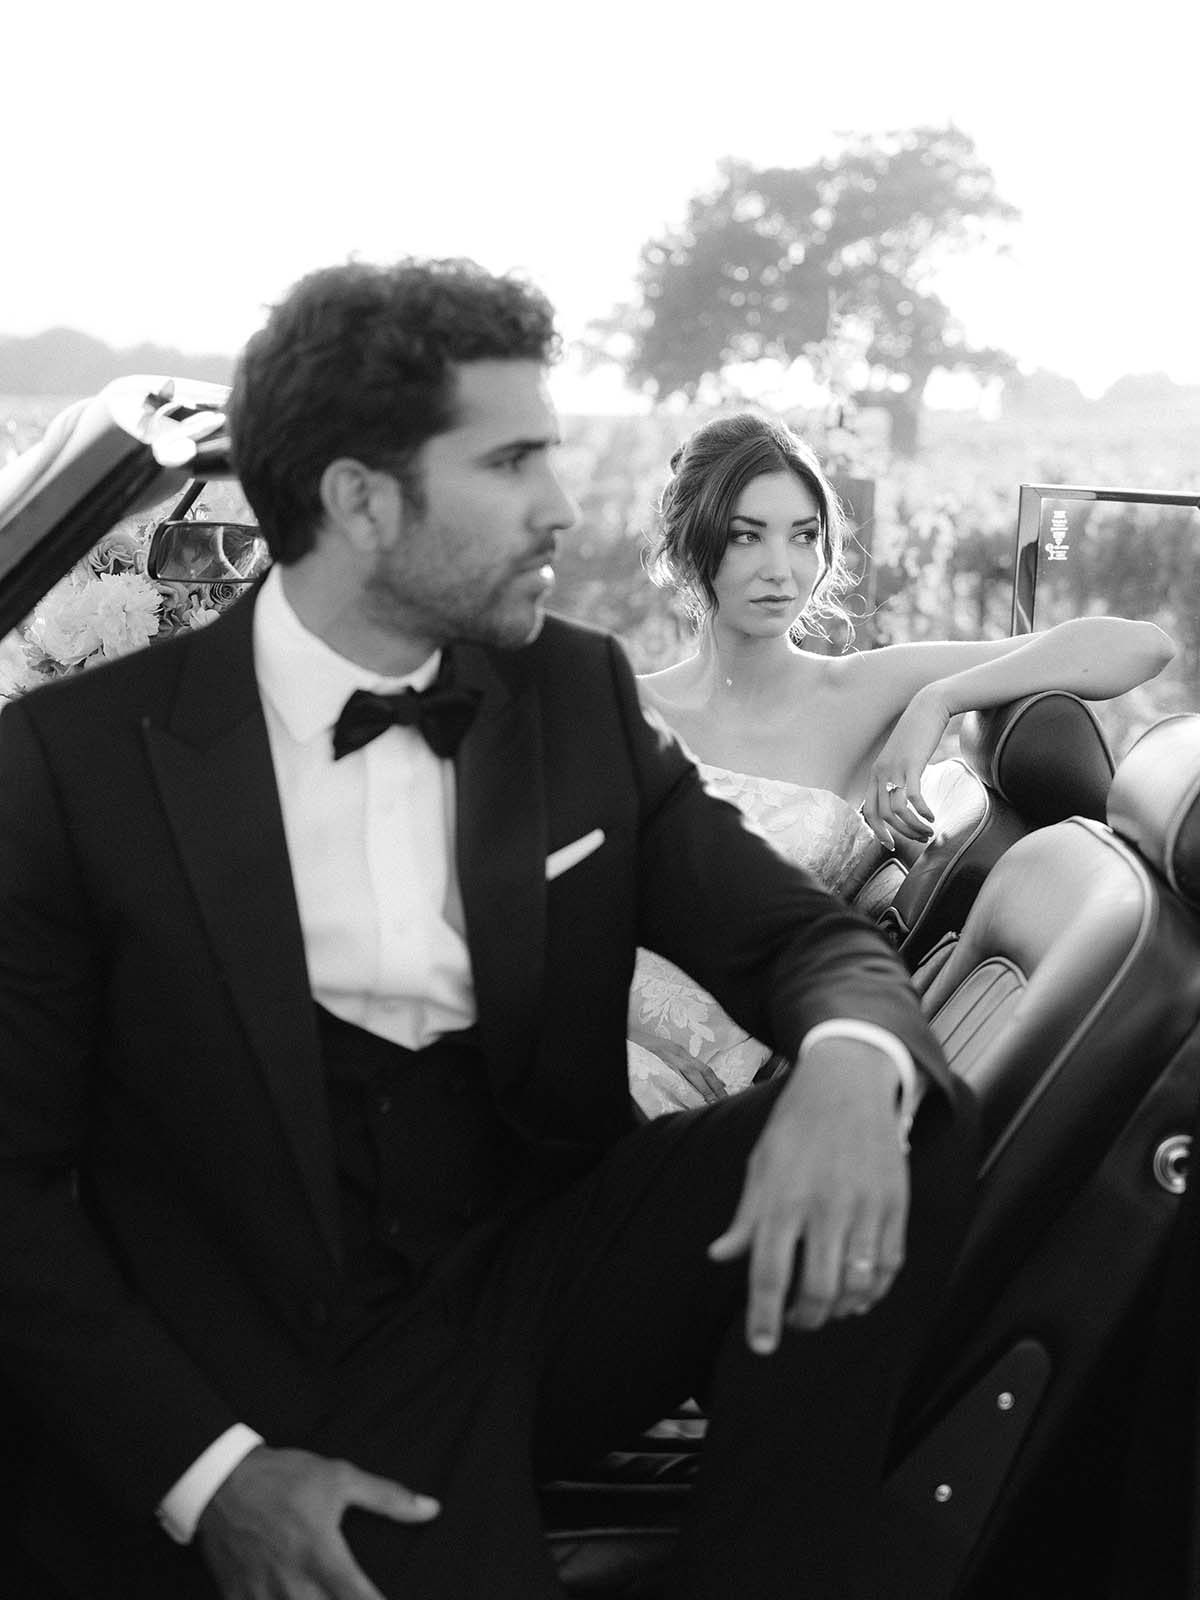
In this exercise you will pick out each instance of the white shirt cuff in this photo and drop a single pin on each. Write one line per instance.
(911, 1087)
(180, 1508)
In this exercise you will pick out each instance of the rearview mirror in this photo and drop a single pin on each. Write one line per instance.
(206, 552)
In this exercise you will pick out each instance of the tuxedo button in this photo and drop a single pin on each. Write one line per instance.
(318, 1313)
(384, 1104)
(391, 1227)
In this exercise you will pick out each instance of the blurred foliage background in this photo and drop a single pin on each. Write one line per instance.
(810, 291)
(938, 546)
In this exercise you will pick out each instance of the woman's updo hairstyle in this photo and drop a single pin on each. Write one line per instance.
(708, 473)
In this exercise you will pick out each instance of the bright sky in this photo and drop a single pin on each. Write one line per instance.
(170, 168)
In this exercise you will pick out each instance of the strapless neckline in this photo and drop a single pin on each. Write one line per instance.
(709, 767)
(811, 826)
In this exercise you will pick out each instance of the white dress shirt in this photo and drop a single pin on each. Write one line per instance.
(370, 838)
(371, 844)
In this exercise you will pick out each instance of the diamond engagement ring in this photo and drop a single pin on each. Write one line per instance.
(861, 1264)
(890, 788)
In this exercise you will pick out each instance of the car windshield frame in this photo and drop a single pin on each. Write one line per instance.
(100, 460)
(1032, 502)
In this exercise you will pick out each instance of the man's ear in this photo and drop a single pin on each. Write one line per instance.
(365, 506)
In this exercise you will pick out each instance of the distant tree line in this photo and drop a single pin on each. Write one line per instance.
(63, 361)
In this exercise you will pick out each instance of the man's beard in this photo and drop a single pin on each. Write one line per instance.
(390, 605)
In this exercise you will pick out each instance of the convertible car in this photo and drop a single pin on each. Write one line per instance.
(1051, 929)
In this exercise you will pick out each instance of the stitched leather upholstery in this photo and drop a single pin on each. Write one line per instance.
(1070, 1001)
(1155, 802)
(1024, 765)
(974, 826)
(1076, 976)
(1045, 754)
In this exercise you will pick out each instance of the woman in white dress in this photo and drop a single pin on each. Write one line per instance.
(823, 754)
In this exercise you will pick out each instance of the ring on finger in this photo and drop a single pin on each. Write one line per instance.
(893, 788)
(860, 1264)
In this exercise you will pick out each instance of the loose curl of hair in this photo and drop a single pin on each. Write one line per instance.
(360, 361)
(709, 471)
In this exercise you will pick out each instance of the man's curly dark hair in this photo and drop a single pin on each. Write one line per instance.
(360, 360)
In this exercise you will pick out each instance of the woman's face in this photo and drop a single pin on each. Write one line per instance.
(773, 556)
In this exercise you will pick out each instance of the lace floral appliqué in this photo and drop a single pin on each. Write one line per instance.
(814, 828)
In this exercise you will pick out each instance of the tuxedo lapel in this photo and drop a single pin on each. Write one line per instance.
(501, 852)
(212, 762)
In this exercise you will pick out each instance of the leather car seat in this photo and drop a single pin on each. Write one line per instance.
(1023, 766)
(1070, 1002)
(1071, 1005)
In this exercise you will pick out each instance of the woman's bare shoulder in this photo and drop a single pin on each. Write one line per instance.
(868, 686)
(838, 672)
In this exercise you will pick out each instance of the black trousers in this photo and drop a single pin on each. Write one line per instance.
(537, 1346)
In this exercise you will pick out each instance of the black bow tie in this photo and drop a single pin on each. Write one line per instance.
(442, 713)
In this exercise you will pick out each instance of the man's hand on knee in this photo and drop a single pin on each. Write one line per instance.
(274, 1526)
(828, 1172)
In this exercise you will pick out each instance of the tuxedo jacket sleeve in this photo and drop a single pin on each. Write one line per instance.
(561, 750)
(778, 950)
(78, 1340)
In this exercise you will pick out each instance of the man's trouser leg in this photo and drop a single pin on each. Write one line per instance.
(639, 1319)
(595, 1315)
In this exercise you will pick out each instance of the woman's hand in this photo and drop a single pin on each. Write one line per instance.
(893, 802)
(701, 1078)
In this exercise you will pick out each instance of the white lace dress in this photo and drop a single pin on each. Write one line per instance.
(816, 829)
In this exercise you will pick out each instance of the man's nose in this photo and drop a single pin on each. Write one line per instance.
(557, 511)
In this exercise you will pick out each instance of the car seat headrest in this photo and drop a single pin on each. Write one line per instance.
(1045, 754)
(1154, 801)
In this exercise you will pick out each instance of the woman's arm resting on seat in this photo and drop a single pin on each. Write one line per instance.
(1093, 657)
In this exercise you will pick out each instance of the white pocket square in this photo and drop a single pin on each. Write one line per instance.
(559, 861)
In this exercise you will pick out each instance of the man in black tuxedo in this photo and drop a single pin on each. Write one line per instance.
(325, 1225)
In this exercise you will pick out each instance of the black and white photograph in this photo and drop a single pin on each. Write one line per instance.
(599, 802)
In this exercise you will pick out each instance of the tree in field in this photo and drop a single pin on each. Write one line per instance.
(819, 261)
